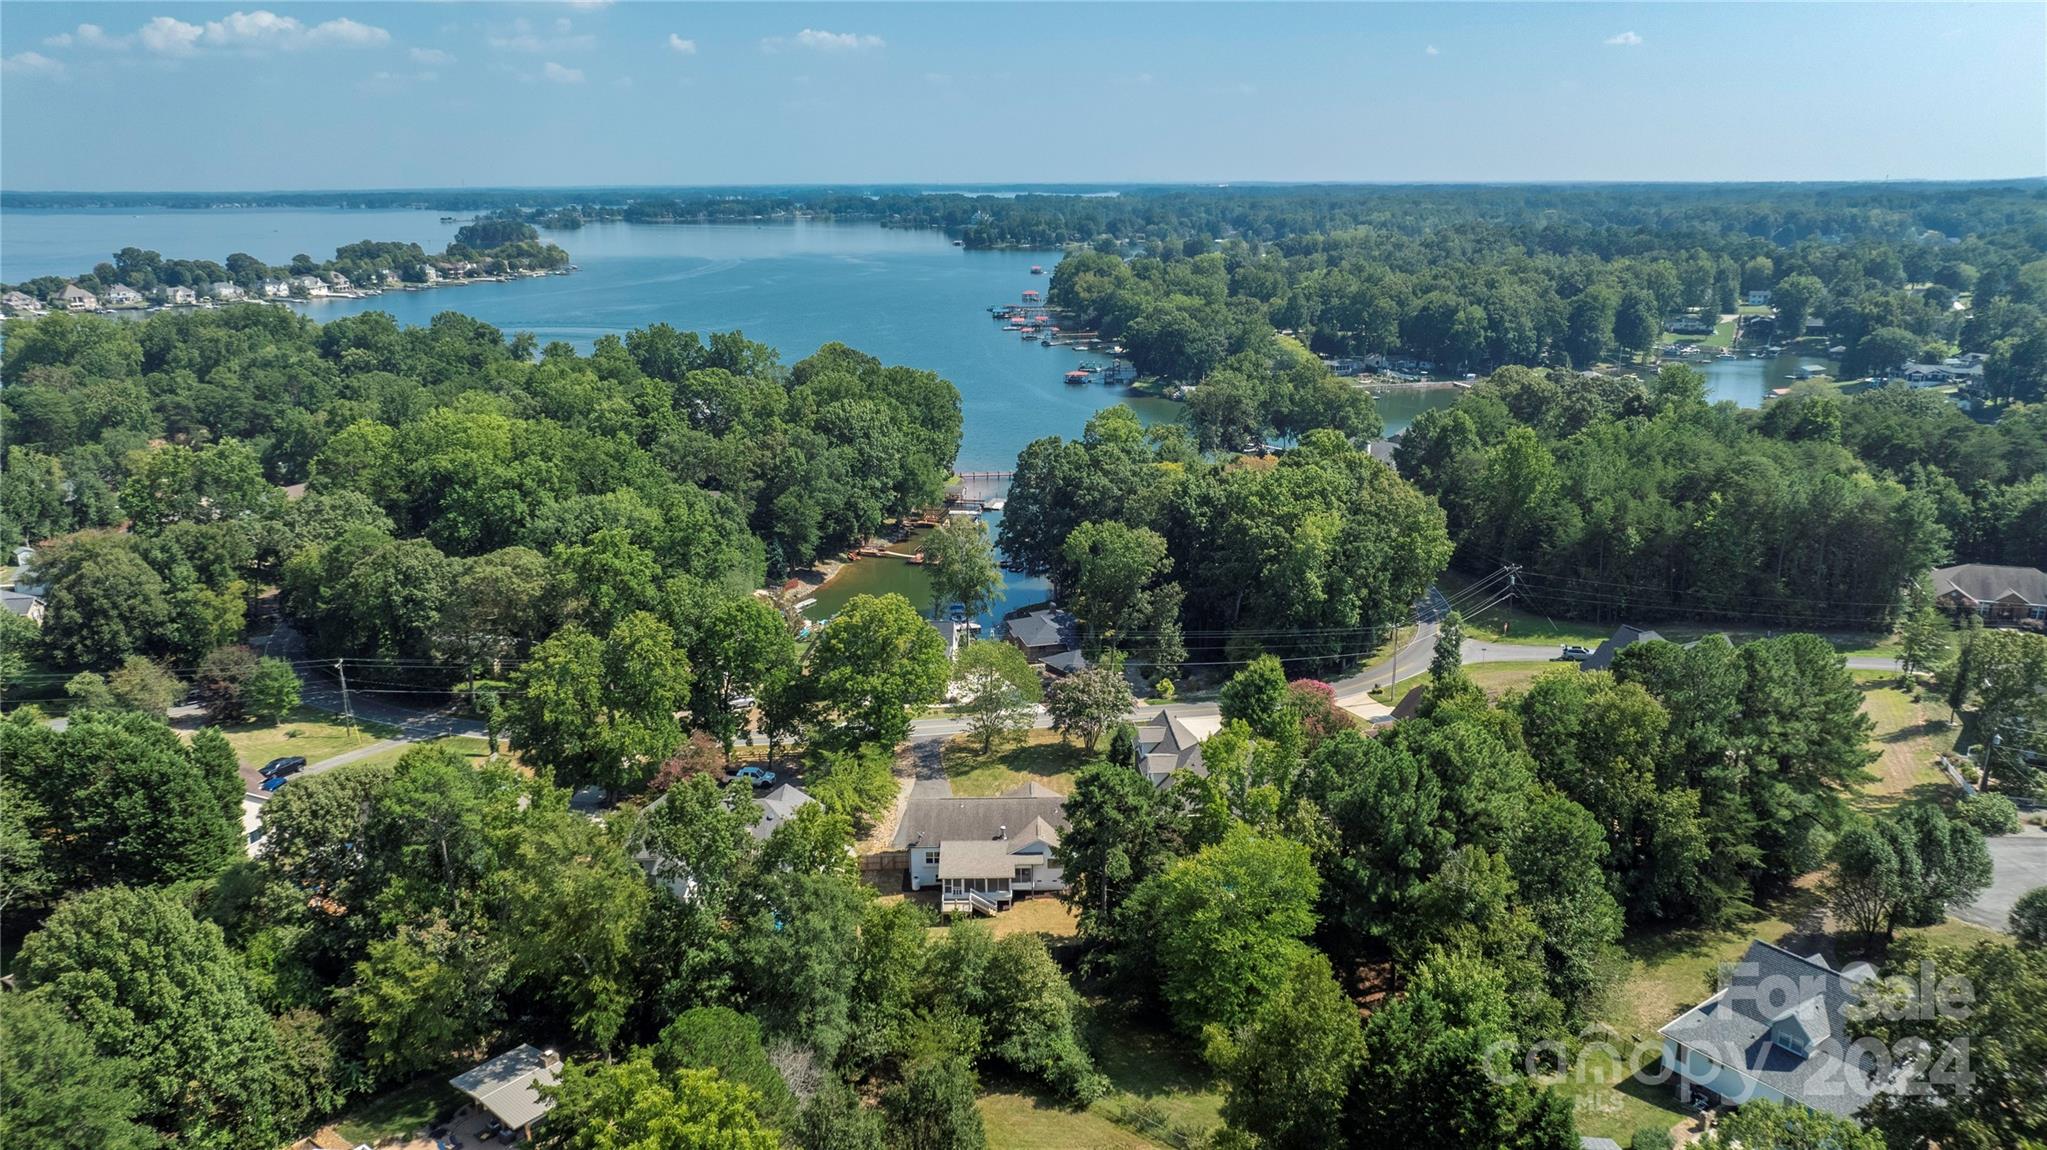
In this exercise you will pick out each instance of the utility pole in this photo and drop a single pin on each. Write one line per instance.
(347, 712)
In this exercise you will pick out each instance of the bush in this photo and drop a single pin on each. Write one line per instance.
(1650, 1138)
(2028, 920)
(859, 784)
(1991, 814)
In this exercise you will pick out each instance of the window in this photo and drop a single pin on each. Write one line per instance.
(1023, 874)
(2036, 612)
(930, 858)
(1984, 609)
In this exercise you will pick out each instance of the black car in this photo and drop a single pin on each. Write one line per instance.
(278, 768)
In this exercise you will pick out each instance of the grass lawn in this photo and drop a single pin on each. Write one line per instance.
(1723, 336)
(1908, 735)
(473, 747)
(1495, 679)
(1609, 1101)
(399, 1113)
(1040, 757)
(315, 734)
(1159, 1086)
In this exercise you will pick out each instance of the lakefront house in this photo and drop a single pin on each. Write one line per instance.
(981, 853)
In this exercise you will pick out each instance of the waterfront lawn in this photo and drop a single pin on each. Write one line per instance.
(1723, 336)
(315, 734)
(1041, 757)
(1160, 1094)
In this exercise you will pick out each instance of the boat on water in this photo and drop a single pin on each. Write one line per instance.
(1090, 365)
(1076, 377)
(1045, 342)
(1030, 333)
(1036, 270)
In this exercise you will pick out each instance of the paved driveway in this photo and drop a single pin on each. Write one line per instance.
(2020, 863)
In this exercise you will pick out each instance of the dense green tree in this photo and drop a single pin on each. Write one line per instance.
(2028, 921)
(959, 559)
(422, 996)
(1029, 1017)
(603, 709)
(124, 799)
(271, 691)
(104, 602)
(998, 689)
(1257, 695)
(1084, 703)
(876, 658)
(1765, 1125)
(722, 1039)
(1222, 928)
(1431, 1072)
(632, 1105)
(1997, 1102)
(148, 983)
(61, 1091)
(1287, 1073)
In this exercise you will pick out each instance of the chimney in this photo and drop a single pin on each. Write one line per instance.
(551, 1059)
(1004, 832)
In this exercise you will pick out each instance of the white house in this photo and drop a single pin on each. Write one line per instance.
(21, 303)
(121, 295)
(178, 295)
(311, 285)
(27, 606)
(1759, 298)
(982, 852)
(1781, 1029)
(225, 290)
(75, 298)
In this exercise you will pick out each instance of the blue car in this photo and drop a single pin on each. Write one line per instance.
(272, 783)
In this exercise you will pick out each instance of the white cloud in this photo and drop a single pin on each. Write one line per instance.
(1431, 50)
(170, 37)
(819, 41)
(348, 34)
(522, 37)
(555, 73)
(31, 64)
(254, 32)
(431, 56)
(60, 40)
(1624, 40)
(682, 46)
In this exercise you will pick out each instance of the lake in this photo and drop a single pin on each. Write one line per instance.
(906, 297)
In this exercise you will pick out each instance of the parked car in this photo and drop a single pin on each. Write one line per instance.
(278, 768)
(271, 784)
(1574, 652)
(756, 776)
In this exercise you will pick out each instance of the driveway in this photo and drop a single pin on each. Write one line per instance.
(2019, 864)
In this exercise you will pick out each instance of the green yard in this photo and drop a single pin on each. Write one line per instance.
(315, 734)
(471, 747)
(1909, 734)
(1495, 679)
(1161, 1095)
(1041, 757)
(399, 1113)
(1723, 336)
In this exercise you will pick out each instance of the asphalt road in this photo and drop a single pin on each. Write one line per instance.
(2019, 864)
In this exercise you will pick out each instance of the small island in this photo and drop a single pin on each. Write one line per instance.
(493, 249)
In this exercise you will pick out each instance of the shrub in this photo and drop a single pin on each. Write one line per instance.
(1991, 814)
(859, 784)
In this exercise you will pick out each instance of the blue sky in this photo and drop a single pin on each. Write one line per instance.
(108, 96)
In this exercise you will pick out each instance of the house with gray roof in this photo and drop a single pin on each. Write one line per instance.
(1165, 745)
(509, 1086)
(1041, 634)
(1780, 1028)
(980, 853)
(1601, 659)
(776, 807)
(2001, 595)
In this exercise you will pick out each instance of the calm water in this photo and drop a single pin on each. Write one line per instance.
(1746, 381)
(905, 297)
